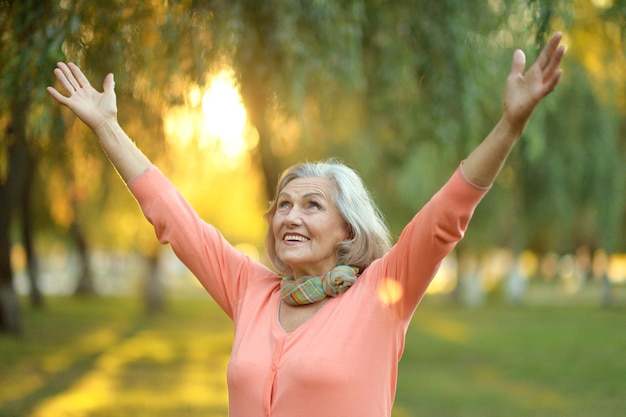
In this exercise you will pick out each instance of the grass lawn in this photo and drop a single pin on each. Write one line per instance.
(505, 361)
(102, 357)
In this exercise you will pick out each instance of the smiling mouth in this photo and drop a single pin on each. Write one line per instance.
(295, 238)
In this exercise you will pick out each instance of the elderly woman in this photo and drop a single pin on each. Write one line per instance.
(313, 337)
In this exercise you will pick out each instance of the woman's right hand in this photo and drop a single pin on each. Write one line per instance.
(90, 105)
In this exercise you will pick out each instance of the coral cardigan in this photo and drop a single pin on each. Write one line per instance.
(343, 361)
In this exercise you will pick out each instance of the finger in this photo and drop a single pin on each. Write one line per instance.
(65, 83)
(69, 77)
(555, 61)
(519, 62)
(550, 85)
(546, 55)
(109, 83)
(78, 75)
(56, 95)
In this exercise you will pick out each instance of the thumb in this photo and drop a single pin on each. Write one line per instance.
(109, 83)
(519, 62)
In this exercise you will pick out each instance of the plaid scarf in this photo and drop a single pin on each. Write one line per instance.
(307, 290)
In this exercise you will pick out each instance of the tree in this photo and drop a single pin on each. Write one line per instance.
(402, 93)
(31, 42)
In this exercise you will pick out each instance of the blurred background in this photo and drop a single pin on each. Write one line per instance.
(223, 95)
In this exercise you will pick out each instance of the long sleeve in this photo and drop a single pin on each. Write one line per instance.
(220, 268)
(431, 235)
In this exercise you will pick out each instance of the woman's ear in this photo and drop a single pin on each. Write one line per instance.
(349, 232)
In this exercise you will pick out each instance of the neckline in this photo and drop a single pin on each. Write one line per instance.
(305, 323)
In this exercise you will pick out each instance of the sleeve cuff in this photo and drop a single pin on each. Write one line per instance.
(478, 187)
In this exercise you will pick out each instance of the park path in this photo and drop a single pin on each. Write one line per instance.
(152, 373)
(172, 364)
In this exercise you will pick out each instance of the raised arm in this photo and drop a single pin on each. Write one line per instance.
(522, 94)
(99, 112)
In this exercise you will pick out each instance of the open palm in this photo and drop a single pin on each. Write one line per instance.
(90, 105)
(523, 91)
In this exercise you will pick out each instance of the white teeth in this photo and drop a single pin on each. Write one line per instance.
(296, 237)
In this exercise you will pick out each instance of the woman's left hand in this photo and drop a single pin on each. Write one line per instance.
(523, 91)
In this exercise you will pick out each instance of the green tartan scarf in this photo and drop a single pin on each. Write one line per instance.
(307, 290)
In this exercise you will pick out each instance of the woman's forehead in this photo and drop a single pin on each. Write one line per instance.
(300, 187)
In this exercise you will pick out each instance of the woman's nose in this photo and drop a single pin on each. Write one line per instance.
(294, 216)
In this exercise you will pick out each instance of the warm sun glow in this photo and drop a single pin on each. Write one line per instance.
(214, 120)
(225, 118)
(389, 291)
(209, 158)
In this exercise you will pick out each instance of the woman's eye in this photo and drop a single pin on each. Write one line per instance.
(283, 204)
(315, 205)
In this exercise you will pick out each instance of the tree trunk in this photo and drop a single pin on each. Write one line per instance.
(32, 264)
(9, 307)
(85, 277)
(256, 101)
(256, 94)
(10, 192)
(153, 295)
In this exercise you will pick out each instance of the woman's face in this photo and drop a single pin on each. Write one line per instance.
(307, 226)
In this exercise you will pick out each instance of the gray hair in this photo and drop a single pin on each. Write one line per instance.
(368, 235)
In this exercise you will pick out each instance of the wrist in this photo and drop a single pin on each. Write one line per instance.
(101, 125)
(511, 129)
